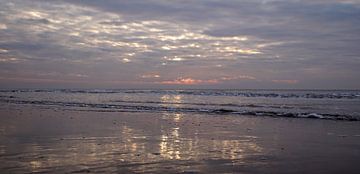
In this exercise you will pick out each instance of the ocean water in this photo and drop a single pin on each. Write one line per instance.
(306, 104)
(179, 131)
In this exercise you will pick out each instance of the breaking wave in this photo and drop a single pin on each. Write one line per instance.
(166, 107)
(308, 94)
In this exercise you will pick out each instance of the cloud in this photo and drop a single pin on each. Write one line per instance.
(286, 81)
(150, 76)
(11, 59)
(3, 26)
(188, 81)
(207, 39)
(239, 77)
(191, 81)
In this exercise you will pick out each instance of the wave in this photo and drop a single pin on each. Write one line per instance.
(320, 94)
(143, 108)
(258, 93)
(212, 104)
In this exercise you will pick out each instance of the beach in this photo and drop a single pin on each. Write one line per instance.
(50, 140)
(180, 87)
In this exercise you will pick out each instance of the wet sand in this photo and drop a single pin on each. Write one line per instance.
(34, 140)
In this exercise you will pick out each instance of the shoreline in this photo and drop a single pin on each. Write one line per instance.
(44, 140)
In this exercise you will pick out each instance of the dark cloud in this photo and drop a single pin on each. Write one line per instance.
(207, 40)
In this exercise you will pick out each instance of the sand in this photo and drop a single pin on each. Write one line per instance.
(35, 140)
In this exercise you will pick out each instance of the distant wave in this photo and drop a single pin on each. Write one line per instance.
(211, 104)
(242, 93)
(143, 108)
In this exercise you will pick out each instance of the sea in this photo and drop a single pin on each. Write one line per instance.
(179, 131)
(341, 105)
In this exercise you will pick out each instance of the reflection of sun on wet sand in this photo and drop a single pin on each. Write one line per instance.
(83, 142)
(175, 146)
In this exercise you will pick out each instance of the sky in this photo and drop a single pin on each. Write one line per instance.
(266, 44)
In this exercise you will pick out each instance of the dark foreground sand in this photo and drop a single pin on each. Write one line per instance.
(48, 141)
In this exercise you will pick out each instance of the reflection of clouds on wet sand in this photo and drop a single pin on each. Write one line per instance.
(77, 153)
(148, 144)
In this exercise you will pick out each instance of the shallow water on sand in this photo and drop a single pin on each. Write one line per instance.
(314, 104)
(35, 140)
